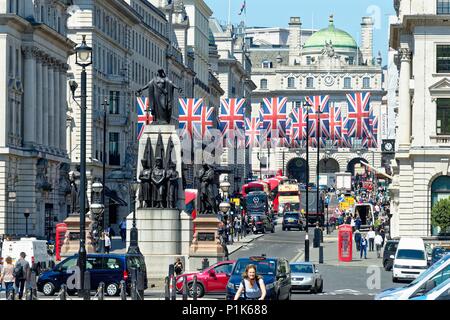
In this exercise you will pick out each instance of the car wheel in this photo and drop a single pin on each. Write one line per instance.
(314, 288)
(321, 288)
(283, 228)
(48, 289)
(394, 280)
(112, 289)
(200, 290)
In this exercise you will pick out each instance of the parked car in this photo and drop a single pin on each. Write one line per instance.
(36, 252)
(262, 223)
(428, 280)
(293, 220)
(441, 292)
(305, 276)
(275, 272)
(110, 269)
(438, 252)
(410, 259)
(211, 280)
(389, 250)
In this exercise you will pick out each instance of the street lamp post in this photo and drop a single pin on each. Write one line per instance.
(98, 211)
(103, 224)
(27, 215)
(134, 246)
(83, 59)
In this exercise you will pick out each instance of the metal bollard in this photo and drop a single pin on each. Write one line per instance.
(194, 288)
(307, 248)
(321, 254)
(123, 290)
(167, 288)
(33, 286)
(171, 270)
(141, 284)
(63, 292)
(185, 288)
(174, 288)
(133, 284)
(101, 291)
(87, 286)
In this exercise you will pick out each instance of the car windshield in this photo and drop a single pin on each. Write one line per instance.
(410, 254)
(440, 252)
(291, 215)
(302, 268)
(427, 272)
(265, 267)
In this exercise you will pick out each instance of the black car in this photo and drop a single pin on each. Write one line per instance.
(292, 220)
(389, 250)
(262, 223)
(438, 253)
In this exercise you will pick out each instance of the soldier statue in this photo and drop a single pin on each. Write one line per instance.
(207, 199)
(158, 179)
(160, 91)
(145, 192)
(172, 175)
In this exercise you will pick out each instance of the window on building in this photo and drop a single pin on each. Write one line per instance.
(114, 102)
(310, 82)
(308, 60)
(366, 82)
(291, 82)
(440, 189)
(263, 84)
(443, 117)
(267, 64)
(351, 60)
(347, 83)
(443, 59)
(114, 154)
(443, 6)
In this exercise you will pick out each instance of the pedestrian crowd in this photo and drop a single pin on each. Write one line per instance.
(14, 277)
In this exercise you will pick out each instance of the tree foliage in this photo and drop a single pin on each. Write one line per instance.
(440, 215)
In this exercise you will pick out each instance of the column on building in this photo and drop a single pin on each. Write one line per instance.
(30, 95)
(51, 103)
(57, 106)
(405, 99)
(39, 100)
(63, 106)
(45, 101)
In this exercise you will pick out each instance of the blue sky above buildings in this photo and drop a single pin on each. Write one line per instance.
(347, 15)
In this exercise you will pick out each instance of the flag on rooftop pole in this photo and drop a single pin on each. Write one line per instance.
(243, 8)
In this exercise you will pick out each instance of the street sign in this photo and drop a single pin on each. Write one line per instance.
(12, 196)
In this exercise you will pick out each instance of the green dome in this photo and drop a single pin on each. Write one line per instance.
(339, 38)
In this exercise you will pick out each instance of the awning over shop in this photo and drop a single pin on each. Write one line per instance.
(377, 171)
(112, 195)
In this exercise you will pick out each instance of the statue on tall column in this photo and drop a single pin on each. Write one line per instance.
(158, 179)
(207, 199)
(145, 192)
(74, 193)
(172, 176)
(160, 91)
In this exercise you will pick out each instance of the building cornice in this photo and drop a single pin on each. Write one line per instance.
(308, 92)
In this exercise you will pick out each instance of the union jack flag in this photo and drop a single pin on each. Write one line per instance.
(231, 115)
(274, 115)
(372, 142)
(190, 112)
(296, 127)
(206, 122)
(315, 102)
(358, 115)
(335, 125)
(144, 115)
(252, 132)
(345, 141)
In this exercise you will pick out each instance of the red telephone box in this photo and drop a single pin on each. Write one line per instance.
(345, 243)
(61, 229)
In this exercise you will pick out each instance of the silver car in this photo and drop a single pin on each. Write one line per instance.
(305, 276)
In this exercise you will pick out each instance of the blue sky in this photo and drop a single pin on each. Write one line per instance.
(347, 15)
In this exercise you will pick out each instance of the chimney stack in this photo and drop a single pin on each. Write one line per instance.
(295, 40)
(367, 40)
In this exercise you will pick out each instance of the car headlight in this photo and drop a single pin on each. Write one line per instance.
(230, 286)
(270, 286)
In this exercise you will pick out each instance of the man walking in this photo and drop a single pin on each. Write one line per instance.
(358, 239)
(123, 229)
(21, 271)
(378, 244)
(363, 247)
(371, 237)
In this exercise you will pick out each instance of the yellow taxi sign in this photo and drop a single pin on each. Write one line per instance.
(287, 188)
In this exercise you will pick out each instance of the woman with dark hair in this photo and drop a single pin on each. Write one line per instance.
(252, 285)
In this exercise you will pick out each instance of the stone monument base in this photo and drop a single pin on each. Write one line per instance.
(206, 242)
(71, 243)
(159, 238)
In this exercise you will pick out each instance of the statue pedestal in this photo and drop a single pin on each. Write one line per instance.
(167, 131)
(71, 243)
(206, 243)
(159, 238)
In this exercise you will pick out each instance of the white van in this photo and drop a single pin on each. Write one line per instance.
(410, 259)
(431, 279)
(35, 250)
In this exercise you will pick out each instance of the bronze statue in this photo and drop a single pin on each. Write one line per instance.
(145, 192)
(74, 194)
(161, 96)
(172, 175)
(158, 179)
(207, 199)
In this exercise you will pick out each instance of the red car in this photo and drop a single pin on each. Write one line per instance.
(213, 279)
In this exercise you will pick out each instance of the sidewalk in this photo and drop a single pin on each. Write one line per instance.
(330, 254)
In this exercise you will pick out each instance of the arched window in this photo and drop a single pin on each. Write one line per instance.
(310, 82)
(263, 84)
(291, 82)
(440, 189)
